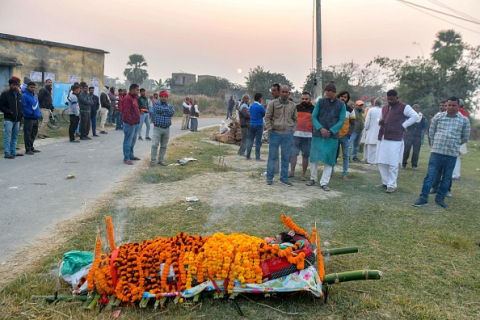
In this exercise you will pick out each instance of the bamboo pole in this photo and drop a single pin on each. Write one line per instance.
(338, 251)
(334, 278)
(59, 298)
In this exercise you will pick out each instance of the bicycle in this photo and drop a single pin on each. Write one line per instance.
(66, 115)
(54, 121)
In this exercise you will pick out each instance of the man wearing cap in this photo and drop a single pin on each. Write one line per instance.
(413, 139)
(394, 120)
(280, 121)
(357, 131)
(162, 120)
(11, 106)
(328, 118)
(46, 105)
(105, 104)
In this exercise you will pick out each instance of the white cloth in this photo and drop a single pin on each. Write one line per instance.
(389, 175)
(389, 152)
(196, 111)
(371, 125)
(103, 118)
(456, 170)
(327, 173)
(372, 153)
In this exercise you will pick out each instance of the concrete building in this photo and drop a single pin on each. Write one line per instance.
(40, 59)
(181, 80)
(203, 77)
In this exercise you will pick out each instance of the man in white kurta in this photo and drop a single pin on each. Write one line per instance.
(394, 120)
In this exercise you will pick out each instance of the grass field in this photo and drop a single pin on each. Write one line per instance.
(429, 256)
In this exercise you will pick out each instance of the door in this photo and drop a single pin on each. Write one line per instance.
(5, 74)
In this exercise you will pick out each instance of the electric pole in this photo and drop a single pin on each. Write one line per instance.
(319, 86)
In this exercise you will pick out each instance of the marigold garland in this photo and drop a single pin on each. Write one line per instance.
(110, 234)
(96, 262)
(287, 221)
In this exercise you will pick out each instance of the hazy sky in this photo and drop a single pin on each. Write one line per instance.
(218, 37)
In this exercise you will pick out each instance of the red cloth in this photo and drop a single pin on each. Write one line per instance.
(463, 112)
(130, 110)
(120, 103)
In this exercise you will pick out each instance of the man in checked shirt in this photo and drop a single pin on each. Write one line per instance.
(449, 130)
(162, 120)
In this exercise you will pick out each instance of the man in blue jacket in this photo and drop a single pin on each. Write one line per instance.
(11, 106)
(257, 113)
(31, 114)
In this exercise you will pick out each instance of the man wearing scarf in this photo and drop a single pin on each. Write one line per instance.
(328, 118)
(394, 120)
(413, 138)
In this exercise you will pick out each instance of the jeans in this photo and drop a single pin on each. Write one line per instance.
(438, 162)
(416, 143)
(144, 117)
(229, 113)
(255, 132)
(243, 143)
(285, 142)
(93, 118)
(344, 142)
(10, 137)
(84, 124)
(119, 124)
(160, 137)
(129, 140)
(30, 130)
(74, 120)
(111, 115)
(355, 141)
(194, 124)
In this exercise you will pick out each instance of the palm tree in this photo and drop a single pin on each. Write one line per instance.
(135, 74)
(447, 49)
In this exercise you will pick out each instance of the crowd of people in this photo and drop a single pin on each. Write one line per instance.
(389, 132)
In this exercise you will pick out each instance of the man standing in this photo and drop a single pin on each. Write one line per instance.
(144, 116)
(119, 107)
(12, 108)
(186, 113)
(328, 118)
(31, 114)
(394, 120)
(449, 130)
(280, 121)
(302, 137)
(357, 131)
(413, 138)
(231, 104)
(257, 113)
(85, 102)
(244, 115)
(94, 110)
(74, 112)
(345, 133)
(194, 114)
(131, 119)
(113, 105)
(162, 120)
(104, 109)
(46, 104)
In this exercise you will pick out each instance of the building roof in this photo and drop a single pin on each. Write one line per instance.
(49, 43)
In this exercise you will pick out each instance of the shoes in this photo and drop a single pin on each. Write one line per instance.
(45, 136)
(75, 141)
(325, 188)
(83, 139)
(41, 136)
(129, 162)
(390, 190)
(30, 153)
(310, 183)
(36, 151)
(242, 155)
(269, 182)
(356, 159)
(303, 178)
(140, 138)
(381, 186)
(135, 158)
(420, 202)
(21, 155)
(103, 132)
(291, 175)
(152, 164)
(9, 157)
(414, 168)
(441, 203)
(260, 160)
(248, 158)
(163, 163)
(448, 194)
(433, 191)
(77, 134)
(88, 138)
(287, 183)
(148, 138)
(96, 135)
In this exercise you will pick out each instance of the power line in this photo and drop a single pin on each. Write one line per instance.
(453, 10)
(431, 15)
(441, 12)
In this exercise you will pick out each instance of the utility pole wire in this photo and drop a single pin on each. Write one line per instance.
(441, 12)
(453, 10)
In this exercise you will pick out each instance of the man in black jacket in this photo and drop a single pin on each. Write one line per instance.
(85, 102)
(104, 108)
(46, 104)
(11, 106)
(413, 138)
(94, 110)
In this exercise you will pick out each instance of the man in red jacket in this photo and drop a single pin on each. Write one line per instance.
(131, 120)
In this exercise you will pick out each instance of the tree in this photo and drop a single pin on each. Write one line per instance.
(158, 85)
(209, 86)
(135, 74)
(259, 80)
(449, 72)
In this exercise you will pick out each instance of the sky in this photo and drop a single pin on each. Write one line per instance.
(219, 37)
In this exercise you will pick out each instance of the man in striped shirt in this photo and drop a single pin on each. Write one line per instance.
(449, 130)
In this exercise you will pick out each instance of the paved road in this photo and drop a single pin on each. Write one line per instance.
(36, 195)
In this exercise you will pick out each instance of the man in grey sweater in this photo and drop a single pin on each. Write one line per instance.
(85, 102)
